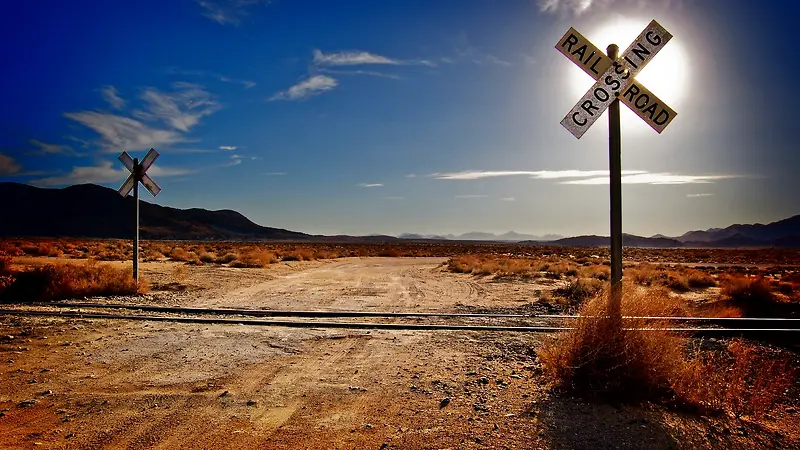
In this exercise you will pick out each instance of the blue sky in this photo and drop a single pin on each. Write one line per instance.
(387, 117)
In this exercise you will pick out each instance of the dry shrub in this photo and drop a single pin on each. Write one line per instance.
(326, 254)
(207, 257)
(580, 289)
(698, 279)
(601, 358)
(56, 282)
(600, 272)
(227, 258)
(152, 255)
(179, 254)
(753, 295)
(390, 252)
(300, 254)
(256, 258)
(608, 359)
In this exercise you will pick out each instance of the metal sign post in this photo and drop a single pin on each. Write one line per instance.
(138, 174)
(615, 83)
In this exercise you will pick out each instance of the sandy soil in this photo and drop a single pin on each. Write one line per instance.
(89, 384)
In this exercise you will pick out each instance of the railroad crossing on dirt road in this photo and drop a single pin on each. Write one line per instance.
(138, 175)
(614, 80)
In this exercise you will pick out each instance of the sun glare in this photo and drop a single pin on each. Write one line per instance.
(665, 76)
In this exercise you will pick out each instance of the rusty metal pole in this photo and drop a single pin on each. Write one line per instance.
(615, 174)
(136, 177)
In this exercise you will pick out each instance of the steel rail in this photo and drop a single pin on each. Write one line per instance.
(362, 325)
(775, 322)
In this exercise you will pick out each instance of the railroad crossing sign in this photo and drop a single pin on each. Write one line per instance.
(138, 174)
(614, 82)
(615, 79)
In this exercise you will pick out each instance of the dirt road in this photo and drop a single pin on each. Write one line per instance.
(96, 384)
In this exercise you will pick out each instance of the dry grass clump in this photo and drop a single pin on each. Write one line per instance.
(681, 279)
(56, 282)
(490, 265)
(227, 258)
(580, 289)
(608, 359)
(754, 297)
(207, 258)
(299, 254)
(179, 254)
(255, 258)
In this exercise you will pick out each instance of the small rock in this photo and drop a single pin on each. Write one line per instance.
(483, 380)
(470, 373)
(368, 426)
(517, 376)
(444, 402)
(479, 407)
(496, 427)
(224, 394)
(47, 392)
(70, 435)
(26, 403)
(356, 388)
(44, 370)
(252, 403)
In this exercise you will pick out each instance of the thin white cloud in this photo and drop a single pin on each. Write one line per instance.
(228, 12)
(179, 110)
(537, 174)
(52, 149)
(369, 185)
(275, 174)
(575, 6)
(699, 195)
(111, 96)
(656, 178)
(227, 147)
(236, 160)
(119, 133)
(360, 57)
(105, 172)
(314, 85)
(472, 196)
(578, 7)
(508, 199)
(247, 84)
(8, 165)
(360, 72)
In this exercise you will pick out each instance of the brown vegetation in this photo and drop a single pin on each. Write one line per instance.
(56, 282)
(606, 358)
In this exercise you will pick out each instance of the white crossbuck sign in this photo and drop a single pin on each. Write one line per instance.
(615, 79)
(138, 173)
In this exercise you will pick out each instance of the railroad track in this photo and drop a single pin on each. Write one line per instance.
(385, 320)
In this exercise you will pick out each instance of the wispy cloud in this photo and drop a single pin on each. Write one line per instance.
(180, 110)
(360, 57)
(369, 185)
(247, 84)
(508, 199)
(228, 12)
(537, 174)
(8, 165)
(472, 196)
(466, 52)
(657, 178)
(587, 177)
(371, 73)
(578, 7)
(699, 195)
(105, 172)
(227, 148)
(236, 160)
(119, 133)
(111, 96)
(314, 85)
(275, 174)
(52, 149)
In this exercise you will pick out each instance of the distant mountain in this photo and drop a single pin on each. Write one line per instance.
(781, 233)
(628, 240)
(88, 210)
(510, 236)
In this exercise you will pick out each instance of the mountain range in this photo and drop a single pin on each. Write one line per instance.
(92, 211)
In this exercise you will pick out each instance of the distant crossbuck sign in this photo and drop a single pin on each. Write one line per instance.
(138, 173)
(615, 79)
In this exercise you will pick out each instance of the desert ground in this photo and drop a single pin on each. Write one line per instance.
(79, 383)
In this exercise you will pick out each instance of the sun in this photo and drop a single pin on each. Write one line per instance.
(665, 75)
